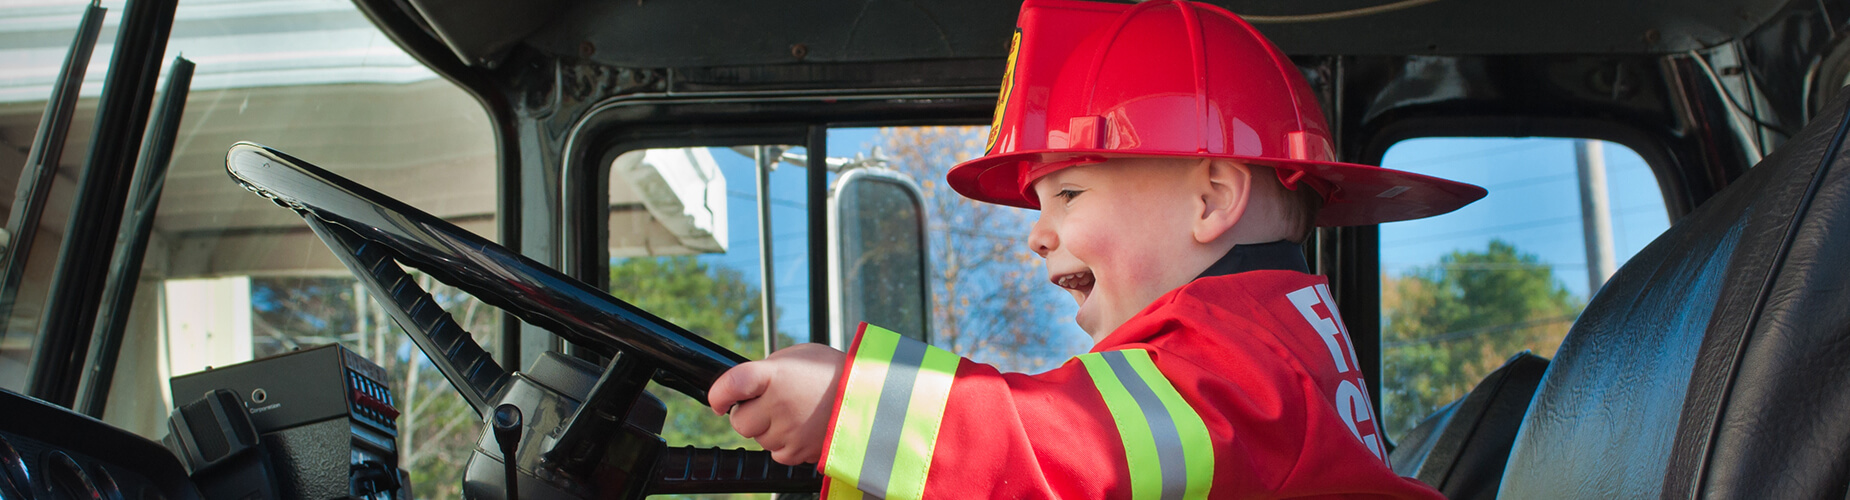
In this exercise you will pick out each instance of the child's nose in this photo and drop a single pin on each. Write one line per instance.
(1041, 237)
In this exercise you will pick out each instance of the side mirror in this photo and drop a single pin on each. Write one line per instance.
(878, 255)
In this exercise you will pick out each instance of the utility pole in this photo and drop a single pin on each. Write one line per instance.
(766, 157)
(1595, 212)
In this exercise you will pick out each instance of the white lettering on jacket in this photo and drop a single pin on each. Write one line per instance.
(1352, 403)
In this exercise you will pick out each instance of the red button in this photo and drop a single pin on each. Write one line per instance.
(374, 404)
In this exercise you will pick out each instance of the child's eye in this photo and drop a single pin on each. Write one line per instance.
(1067, 194)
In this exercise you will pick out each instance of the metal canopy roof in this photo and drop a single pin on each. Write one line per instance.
(316, 78)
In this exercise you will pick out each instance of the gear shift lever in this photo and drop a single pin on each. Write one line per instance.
(507, 424)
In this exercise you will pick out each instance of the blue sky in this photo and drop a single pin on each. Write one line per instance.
(789, 234)
(789, 226)
(1533, 203)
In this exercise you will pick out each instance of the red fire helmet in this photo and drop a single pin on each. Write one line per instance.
(1091, 81)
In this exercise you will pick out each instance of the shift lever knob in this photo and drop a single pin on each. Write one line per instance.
(507, 424)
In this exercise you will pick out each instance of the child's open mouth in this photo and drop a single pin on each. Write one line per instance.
(1080, 281)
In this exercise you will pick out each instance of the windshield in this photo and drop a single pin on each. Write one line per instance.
(714, 236)
(229, 277)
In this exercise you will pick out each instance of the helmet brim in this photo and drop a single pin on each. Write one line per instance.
(1353, 194)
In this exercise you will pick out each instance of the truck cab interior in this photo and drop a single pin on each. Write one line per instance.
(458, 231)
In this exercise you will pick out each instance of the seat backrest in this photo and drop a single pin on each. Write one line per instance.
(1712, 363)
(1461, 449)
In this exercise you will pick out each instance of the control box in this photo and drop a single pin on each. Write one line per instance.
(326, 417)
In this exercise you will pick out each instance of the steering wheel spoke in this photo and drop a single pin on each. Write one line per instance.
(581, 438)
(453, 350)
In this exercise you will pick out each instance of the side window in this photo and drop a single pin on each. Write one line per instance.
(1462, 292)
(685, 243)
(987, 293)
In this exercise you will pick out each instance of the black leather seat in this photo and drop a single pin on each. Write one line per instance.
(1713, 363)
(1461, 448)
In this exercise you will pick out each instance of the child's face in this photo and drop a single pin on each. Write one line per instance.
(1112, 235)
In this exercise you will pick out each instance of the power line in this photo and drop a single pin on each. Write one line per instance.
(1486, 330)
(1530, 181)
(1524, 145)
(1490, 266)
(774, 200)
(1485, 231)
(978, 233)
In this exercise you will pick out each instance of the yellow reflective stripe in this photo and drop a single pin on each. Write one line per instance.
(1167, 450)
(1197, 445)
(1133, 430)
(854, 420)
(892, 406)
(839, 491)
(925, 415)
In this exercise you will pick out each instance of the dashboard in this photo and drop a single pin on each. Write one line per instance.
(51, 453)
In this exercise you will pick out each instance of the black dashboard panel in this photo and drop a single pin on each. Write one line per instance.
(57, 454)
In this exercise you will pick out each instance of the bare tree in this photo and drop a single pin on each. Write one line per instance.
(990, 297)
(438, 429)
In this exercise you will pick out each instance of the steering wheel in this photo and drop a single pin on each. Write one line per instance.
(570, 439)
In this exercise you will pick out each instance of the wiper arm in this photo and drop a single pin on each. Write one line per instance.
(42, 162)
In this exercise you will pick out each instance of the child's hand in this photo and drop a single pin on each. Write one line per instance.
(783, 401)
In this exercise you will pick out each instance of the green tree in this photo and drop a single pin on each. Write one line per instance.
(1446, 326)
(713, 302)
(438, 429)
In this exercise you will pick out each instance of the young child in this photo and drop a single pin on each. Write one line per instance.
(1177, 160)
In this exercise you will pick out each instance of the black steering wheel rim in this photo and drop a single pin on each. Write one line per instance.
(537, 294)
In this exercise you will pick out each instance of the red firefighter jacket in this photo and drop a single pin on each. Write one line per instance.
(1241, 385)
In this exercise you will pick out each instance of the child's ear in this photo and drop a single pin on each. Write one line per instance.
(1222, 198)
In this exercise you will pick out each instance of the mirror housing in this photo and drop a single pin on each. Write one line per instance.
(879, 257)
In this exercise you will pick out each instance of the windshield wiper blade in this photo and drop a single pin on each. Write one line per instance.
(132, 242)
(42, 162)
(69, 315)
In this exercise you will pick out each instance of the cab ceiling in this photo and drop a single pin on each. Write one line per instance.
(696, 33)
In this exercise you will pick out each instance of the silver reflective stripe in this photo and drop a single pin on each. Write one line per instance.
(890, 418)
(1162, 426)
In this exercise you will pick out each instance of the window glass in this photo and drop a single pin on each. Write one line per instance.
(1462, 292)
(230, 277)
(34, 37)
(989, 296)
(685, 245)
